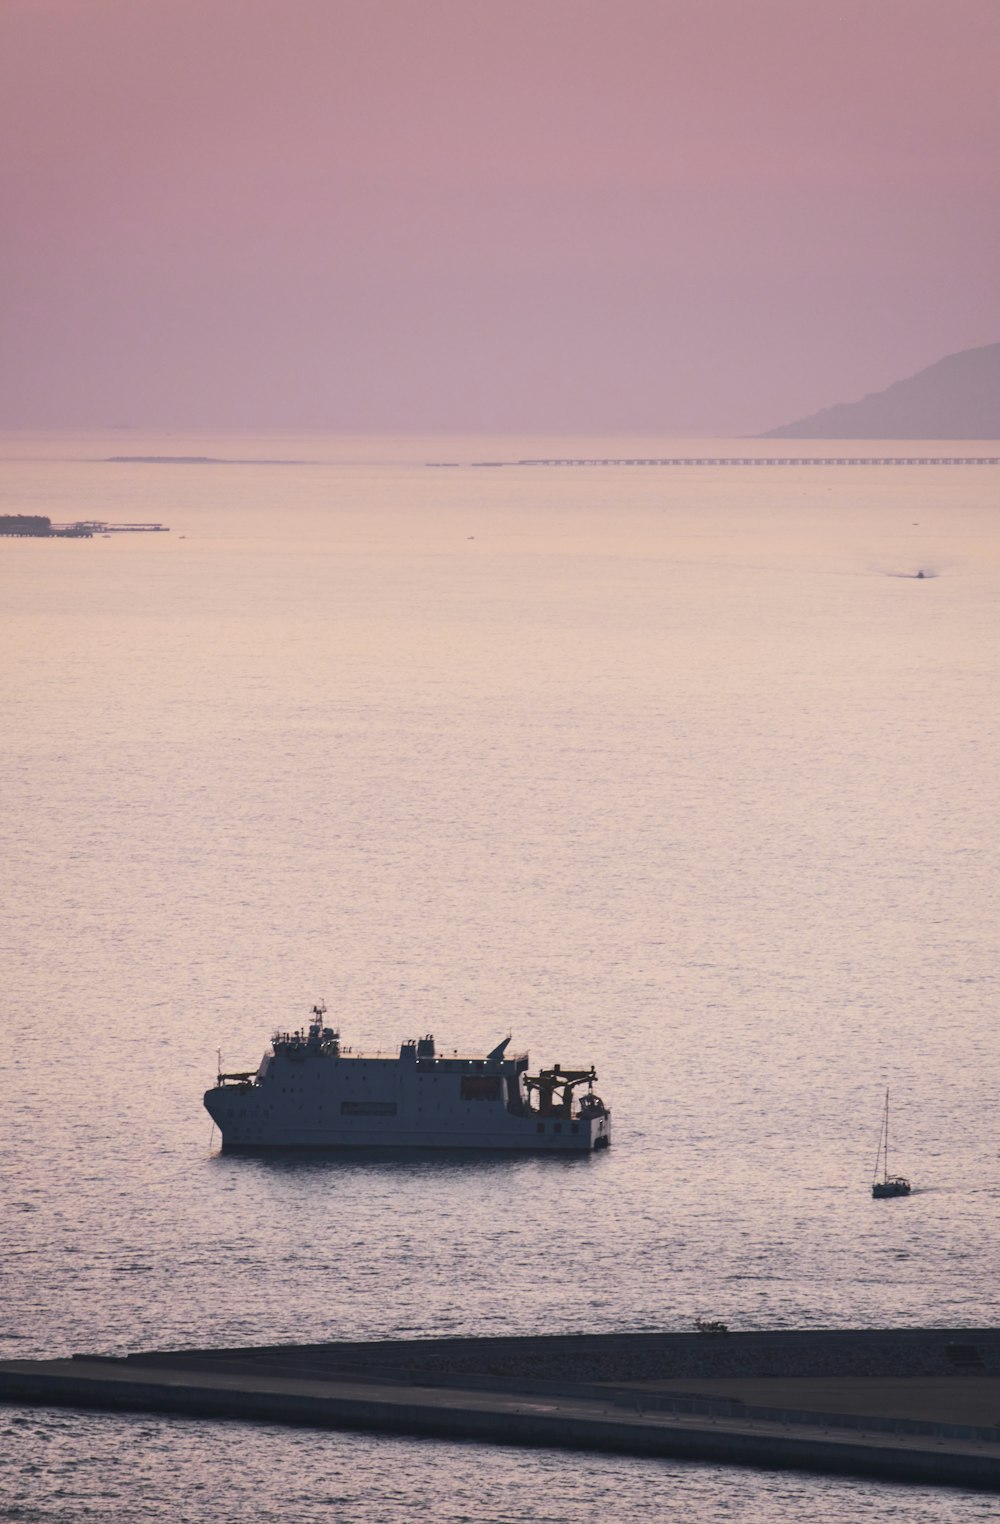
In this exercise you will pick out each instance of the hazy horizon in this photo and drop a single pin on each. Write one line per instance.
(367, 216)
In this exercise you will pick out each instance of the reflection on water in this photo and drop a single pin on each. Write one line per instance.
(399, 1164)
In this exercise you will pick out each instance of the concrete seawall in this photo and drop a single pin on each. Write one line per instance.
(311, 1385)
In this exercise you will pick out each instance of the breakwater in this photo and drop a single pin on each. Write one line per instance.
(672, 1395)
(741, 460)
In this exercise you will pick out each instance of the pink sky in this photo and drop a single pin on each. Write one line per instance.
(647, 215)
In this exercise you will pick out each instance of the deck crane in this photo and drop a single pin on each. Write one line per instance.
(548, 1081)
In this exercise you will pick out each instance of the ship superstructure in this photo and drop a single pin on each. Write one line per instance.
(310, 1091)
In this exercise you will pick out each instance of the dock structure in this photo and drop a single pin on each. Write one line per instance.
(746, 460)
(98, 526)
(916, 1405)
(39, 526)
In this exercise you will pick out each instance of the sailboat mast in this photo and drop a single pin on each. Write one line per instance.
(889, 1185)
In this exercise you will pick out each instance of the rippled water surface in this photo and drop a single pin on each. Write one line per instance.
(680, 772)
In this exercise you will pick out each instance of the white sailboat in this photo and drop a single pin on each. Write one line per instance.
(888, 1185)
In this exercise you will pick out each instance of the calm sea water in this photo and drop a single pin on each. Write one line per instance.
(680, 772)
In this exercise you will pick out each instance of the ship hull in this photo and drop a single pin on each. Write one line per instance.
(243, 1131)
(415, 1144)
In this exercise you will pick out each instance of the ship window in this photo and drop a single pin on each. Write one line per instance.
(574, 1127)
(540, 1127)
(558, 1127)
(475, 1087)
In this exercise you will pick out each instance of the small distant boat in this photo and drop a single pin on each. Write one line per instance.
(889, 1185)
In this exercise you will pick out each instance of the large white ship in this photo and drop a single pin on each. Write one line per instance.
(312, 1092)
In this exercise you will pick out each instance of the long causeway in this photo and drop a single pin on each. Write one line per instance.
(916, 1405)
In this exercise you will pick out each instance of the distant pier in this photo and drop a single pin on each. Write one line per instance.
(97, 527)
(742, 460)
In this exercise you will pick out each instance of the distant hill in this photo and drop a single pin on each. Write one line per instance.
(956, 398)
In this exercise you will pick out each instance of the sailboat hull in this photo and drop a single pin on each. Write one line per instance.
(883, 1188)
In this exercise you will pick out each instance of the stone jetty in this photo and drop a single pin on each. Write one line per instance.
(920, 1405)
